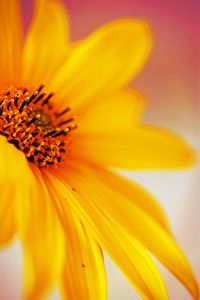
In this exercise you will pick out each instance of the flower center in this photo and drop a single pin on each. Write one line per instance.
(29, 121)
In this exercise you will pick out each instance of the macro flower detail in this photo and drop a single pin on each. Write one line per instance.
(30, 123)
(68, 120)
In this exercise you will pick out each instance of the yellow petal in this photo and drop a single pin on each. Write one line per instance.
(145, 147)
(116, 113)
(47, 42)
(41, 237)
(11, 162)
(7, 220)
(11, 41)
(125, 250)
(134, 194)
(105, 61)
(84, 274)
(83, 259)
(101, 199)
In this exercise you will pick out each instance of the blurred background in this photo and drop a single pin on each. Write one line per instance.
(169, 81)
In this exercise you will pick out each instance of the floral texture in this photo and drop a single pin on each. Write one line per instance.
(68, 120)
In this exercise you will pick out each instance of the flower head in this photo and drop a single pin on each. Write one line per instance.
(67, 121)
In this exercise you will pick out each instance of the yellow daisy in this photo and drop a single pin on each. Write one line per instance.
(67, 121)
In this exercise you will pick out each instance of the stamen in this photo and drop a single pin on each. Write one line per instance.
(51, 132)
(24, 103)
(63, 132)
(16, 101)
(33, 96)
(31, 125)
(40, 88)
(66, 122)
(37, 117)
(39, 98)
(48, 98)
(63, 112)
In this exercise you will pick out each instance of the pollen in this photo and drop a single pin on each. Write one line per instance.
(30, 121)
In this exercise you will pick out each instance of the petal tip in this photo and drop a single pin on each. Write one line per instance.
(137, 26)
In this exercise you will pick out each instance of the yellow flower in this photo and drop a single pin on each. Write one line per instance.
(68, 120)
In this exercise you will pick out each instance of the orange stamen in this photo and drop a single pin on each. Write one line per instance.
(29, 121)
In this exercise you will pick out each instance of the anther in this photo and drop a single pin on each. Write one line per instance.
(63, 112)
(62, 132)
(39, 98)
(24, 103)
(52, 132)
(36, 118)
(66, 122)
(36, 132)
(9, 104)
(33, 97)
(48, 98)
(16, 101)
(40, 88)
(2, 101)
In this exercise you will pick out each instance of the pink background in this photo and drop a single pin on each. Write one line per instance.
(169, 81)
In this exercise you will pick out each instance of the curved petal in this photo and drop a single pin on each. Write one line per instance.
(100, 200)
(133, 193)
(11, 161)
(145, 147)
(7, 218)
(11, 41)
(47, 42)
(116, 113)
(84, 274)
(105, 61)
(41, 237)
(126, 251)
(83, 261)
